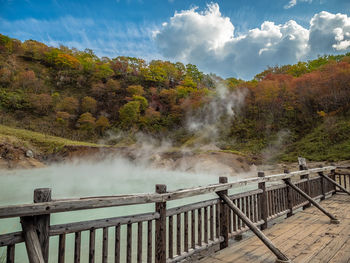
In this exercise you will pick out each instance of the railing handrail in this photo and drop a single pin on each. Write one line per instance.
(66, 205)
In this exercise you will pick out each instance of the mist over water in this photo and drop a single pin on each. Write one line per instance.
(83, 178)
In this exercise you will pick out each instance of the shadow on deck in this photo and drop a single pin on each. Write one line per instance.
(307, 236)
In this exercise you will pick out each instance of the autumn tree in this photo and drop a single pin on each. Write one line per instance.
(86, 122)
(67, 61)
(62, 118)
(68, 104)
(135, 90)
(88, 104)
(41, 103)
(102, 124)
(26, 79)
(113, 85)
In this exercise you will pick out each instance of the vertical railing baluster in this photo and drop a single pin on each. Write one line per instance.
(171, 237)
(217, 220)
(193, 229)
(178, 234)
(149, 241)
(10, 254)
(105, 245)
(206, 224)
(128, 243)
(77, 247)
(212, 222)
(199, 225)
(117, 244)
(92, 246)
(186, 231)
(61, 248)
(234, 221)
(139, 242)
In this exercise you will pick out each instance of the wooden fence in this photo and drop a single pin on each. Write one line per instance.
(165, 235)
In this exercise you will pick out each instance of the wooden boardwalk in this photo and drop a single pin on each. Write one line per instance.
(307, 236)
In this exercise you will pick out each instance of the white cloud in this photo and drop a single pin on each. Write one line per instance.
(329, 32)
(294, 3)
(207, 39)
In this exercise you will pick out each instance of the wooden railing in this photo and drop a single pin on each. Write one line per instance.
(165, 235)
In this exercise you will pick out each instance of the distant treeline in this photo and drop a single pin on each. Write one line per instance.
(75, 94)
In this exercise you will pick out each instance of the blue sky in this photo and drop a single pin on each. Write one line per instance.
(211, 36)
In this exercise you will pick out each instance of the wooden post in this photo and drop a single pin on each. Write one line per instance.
(263, 202)
(323, 188)
(332, 176)
(280, 256)
(308, 186)
(31, 239)
(160, 239)
(289, 197)
(223, 217)
(334, 220)
(42, 222)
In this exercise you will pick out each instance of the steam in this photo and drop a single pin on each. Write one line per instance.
(271, 152)
(209, 120)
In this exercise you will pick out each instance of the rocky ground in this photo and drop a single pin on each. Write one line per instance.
(207, 161)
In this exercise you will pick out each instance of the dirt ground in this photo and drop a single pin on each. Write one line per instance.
(213, 161)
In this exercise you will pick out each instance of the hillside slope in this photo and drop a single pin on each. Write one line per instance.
(286, 111)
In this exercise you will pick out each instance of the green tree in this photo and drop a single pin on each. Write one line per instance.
(143, 102)
(129, 114)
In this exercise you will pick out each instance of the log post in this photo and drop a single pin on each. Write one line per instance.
(334, 220)
(334, 183)
(31, 239)
(308, 186)
(223, 216)
(323, 187)
(332, 176)
(280, 256)
(42, 222)
(263, 202)
(160, 238)
(289, 196)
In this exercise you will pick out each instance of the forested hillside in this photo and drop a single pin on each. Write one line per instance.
(285, 111)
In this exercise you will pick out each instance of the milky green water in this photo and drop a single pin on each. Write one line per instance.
(111, 177)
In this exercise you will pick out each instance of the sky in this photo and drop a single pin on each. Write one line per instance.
(236, 38)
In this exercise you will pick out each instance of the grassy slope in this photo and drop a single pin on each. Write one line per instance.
(43, 143)
(329, 141)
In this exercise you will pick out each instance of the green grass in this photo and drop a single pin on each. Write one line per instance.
(328, 142)
(42, 142)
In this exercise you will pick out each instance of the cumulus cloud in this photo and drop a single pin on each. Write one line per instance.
(207, 39)
(329, 32)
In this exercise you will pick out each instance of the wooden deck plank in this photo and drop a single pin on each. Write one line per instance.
(342, 255)
(278, 234)
(307, 236)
